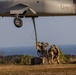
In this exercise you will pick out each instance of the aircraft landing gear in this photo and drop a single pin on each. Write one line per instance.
(18, 22)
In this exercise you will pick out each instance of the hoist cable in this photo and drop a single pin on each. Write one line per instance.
(35, 33)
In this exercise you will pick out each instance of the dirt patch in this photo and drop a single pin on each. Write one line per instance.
(61, 69)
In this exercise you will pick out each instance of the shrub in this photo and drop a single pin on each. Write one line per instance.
(62, 58)
(26, 60)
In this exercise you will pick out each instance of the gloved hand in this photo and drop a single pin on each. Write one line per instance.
(39, 51)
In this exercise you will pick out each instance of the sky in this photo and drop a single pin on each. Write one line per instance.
(54, 30)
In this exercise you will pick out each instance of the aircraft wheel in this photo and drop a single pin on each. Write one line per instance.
(18, 22)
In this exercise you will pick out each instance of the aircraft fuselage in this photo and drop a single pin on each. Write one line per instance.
(41, 7)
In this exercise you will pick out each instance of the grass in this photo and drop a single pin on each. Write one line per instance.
(61, 69)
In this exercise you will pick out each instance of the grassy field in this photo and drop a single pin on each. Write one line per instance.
(54, 69)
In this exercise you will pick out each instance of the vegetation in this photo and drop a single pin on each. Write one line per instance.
(62, 58)
(67, 59)
(28, 60)
(16, 59)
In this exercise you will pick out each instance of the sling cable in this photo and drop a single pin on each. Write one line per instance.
(33, 18)
(37, 47)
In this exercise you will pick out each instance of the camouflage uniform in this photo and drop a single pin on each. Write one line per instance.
(53, 53)
(42, 47)
(57, 54)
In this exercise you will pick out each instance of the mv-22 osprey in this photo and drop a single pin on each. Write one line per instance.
(35, 8)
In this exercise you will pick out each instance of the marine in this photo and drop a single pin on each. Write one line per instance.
(43, 50)
(53, 54)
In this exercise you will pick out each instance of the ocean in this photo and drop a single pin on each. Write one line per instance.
(66, 49)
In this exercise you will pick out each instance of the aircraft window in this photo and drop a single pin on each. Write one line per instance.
(37, 1)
